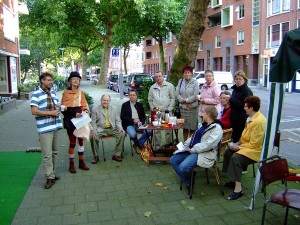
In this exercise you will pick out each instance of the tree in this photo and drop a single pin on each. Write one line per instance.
(160, 18)
(189, 38)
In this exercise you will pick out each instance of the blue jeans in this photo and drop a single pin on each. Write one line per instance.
(183, 164)
(131, 131)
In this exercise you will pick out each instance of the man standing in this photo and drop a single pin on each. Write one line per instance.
(106, 121)
(161, 95)
(133, 116)
(44, 105)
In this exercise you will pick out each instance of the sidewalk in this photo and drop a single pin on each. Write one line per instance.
(121, 193)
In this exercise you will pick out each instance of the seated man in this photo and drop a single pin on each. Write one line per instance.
(133, 116)
(106, 121)
(203, 147)
(248, 149)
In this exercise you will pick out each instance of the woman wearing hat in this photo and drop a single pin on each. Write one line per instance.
(74, 101)
(186, 93)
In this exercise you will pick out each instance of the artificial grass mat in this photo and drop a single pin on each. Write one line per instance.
(16, 172)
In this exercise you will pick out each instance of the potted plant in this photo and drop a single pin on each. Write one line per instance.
(89, 99)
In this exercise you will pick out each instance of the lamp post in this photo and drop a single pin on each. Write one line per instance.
(62, 55)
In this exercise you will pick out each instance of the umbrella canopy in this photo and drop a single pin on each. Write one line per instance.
(282, 70)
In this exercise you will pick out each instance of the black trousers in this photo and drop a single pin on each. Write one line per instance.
(237, 130)
(234, 163)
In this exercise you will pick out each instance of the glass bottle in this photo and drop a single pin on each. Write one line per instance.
(167, 116)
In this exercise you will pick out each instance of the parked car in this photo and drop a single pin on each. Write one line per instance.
(135, 81)
(111, 79)
(88, 76)
(115, 86)
(223, 78)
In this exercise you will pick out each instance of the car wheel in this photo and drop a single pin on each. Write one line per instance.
(224, 87)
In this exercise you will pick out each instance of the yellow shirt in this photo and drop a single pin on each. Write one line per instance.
(253, 137)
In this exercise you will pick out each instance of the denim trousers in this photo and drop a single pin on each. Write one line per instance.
(183, 164)
(132, 132)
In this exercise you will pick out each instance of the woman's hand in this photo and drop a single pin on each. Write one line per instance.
(78, 115)
(234, 147)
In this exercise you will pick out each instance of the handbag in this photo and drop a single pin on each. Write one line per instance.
(146, 152)
(177, 112)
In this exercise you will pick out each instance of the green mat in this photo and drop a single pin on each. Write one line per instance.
(16, 172)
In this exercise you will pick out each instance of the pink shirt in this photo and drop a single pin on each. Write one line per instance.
(210, 93)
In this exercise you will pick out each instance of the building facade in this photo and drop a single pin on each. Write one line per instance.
(239, 35)
(9, 45)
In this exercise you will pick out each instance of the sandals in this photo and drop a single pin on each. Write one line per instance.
(235, 195)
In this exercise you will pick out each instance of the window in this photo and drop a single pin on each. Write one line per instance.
(240, 37)
(169, 37)
(298, 4)
(278, 6)
(241, 12)
(216, 3)
(148, 43)
(298, 21)
(148, 55)
(275, 34)
(200, 47)
(218, 41)
(157, 54)
(226, 16)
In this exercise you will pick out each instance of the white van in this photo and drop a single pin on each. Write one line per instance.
(223, 78)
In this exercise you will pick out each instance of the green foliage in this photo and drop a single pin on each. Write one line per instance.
(88, 98)
(143, 96)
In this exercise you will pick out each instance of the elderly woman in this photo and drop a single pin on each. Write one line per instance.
(226, 109)
(202, 147)
(186, 93)
(209, 93)
(248, 149)
(74, 101)
(238, 115)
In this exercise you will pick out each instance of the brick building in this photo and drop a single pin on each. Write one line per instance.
(9, 45)
(238, 36)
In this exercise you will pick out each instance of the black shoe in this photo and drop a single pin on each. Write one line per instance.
(49, 183)
(235, 195)
(230, 184)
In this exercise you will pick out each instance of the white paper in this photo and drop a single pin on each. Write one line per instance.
(81, 121)
(181, 148)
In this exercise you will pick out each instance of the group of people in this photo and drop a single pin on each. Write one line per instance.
(217, 111)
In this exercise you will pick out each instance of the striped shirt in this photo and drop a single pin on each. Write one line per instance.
(45, 123)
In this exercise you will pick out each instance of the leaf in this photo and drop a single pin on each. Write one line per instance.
(191, 207)
(77, 214)
(147, 214)
(183, 202)
(166, 188)
(149, 191)
(159, 184)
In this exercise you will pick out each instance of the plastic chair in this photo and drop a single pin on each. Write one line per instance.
(274, 169)
(215, 168)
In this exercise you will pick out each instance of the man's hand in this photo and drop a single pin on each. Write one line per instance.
(136, 120)
(182, 101)
(93, 135)
(55, 112)
(122, 131)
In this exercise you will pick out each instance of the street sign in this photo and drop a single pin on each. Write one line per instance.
(115, 52)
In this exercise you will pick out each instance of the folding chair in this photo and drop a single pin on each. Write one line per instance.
(216, 172)
(274, 169)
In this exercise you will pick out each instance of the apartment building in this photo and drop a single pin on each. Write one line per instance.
(238, 36)
(9, 45)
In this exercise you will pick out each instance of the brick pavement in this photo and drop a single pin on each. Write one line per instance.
(121, 193)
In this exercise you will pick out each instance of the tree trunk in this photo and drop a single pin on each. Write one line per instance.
(189, 38)
(125, 56)
(107, 40)
(84, 63)
(161, 56)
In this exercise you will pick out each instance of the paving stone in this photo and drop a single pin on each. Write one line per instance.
(24, 221)
(86, 207)
(99, 216)
(236, 218)
(63, 209)
(75, 218)
(38, 211)
(212, 210)
(123, 213)
(52, 201)
(95, 197)
(106, 205)
(130, 202)
(74, 199)
(50, 220)
(165, 218)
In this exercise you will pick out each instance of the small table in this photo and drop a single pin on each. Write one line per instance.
(170, 150)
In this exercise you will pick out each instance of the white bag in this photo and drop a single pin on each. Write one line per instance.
(84, 132)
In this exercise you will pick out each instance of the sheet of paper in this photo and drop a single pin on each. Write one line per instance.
(181, 148)
(81, 121)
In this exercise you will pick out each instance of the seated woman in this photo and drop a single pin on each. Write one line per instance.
(248, 149)
(225, 113)
(202, 146)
